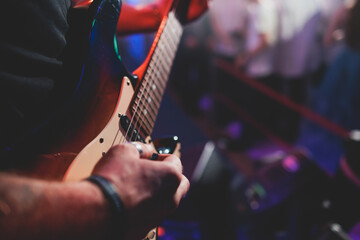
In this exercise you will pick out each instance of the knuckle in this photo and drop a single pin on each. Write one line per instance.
(124, 149)
(148, 147)
(172, 170)
(176, 162)
(119, 148)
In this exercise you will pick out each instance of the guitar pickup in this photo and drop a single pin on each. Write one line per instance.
(129, 130)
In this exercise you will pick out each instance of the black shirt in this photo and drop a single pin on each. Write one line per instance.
(32, 46)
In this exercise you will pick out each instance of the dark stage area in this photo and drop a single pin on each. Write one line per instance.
(263, 95)
(268, 156)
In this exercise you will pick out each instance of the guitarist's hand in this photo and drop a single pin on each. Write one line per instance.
(150, 190)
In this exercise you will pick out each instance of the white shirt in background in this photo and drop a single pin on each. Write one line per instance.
(262, 19)
(299, 49)
(228, 23)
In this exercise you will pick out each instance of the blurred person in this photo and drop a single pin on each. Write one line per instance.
(261, 32)
(337, 98)
(260, 38)
(339, 101)
(327, 48)
(338, 94)
(334, 32)
(298, 56)
(227, 21)
(219, 34)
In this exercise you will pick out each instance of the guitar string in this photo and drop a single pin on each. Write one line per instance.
(161, 70)
(126, 136)
(150, 82)
(163, 73)
(146, 78)
(132, 120)
(135, 111)
(147, 100)
(147, 90)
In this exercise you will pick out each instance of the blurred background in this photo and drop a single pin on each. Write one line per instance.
(264, 97)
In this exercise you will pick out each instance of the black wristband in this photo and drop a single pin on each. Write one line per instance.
(116, 205)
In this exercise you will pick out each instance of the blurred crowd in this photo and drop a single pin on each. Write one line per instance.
(259, 76)
(299, 53)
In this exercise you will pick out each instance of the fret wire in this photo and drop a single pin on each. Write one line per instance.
(155, 98)
(154, 87)
(169, 51)
(147, 114)
(156, 71)
(160, 81)
(152, 114)
(153, 109)
(160, 76)
(153, 104)
(141, 121)
(155, 101)
(162, 69)
(160, 73)
(148, 111)
(171, 42)
(148, 79)
(158, 90)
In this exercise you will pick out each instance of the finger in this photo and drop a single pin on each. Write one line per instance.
(183, 188)
(175, 161)
(161, 157)
(144, 150)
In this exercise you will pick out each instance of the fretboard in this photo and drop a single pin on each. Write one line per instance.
(145, 106)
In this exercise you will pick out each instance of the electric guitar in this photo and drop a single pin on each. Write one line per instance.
(116, 106)
(139, 94)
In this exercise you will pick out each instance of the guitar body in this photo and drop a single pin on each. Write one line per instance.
(117, 96)
(132, 116)
(101, 91)
(85, 161)
(110, 105)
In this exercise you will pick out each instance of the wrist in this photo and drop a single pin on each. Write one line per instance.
(115, 205)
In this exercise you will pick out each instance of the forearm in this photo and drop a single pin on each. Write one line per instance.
(41, 210)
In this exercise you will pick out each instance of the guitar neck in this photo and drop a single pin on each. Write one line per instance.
(150, 89)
